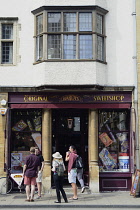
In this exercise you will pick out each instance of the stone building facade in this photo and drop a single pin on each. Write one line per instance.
(68, 77)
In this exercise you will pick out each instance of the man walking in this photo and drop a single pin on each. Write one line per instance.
(72, 171)
(39, 177)
(30, 170)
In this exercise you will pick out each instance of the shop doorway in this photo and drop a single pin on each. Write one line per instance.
(70, 127)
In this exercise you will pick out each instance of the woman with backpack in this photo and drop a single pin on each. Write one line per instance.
(58, 168)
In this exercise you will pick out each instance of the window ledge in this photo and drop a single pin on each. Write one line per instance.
(57, 60)
(5, 64)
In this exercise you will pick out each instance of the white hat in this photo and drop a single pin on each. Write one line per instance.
(57, 155)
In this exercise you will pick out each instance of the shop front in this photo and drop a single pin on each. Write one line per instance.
(97, 123)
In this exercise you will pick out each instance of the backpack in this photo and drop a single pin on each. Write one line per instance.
(78, 162)
(60, 169)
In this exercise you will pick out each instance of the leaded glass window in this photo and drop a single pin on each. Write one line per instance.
(39, 24)
(54, 46)
(70, 35)
(69, 47)
(85, 47)
(85, 21)
(99, 24)
(54, 22)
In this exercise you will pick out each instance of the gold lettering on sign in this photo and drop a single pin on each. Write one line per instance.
(70, 98)
(32, 98)
(108, 98)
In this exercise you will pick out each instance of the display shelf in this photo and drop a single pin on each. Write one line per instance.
(114, 144)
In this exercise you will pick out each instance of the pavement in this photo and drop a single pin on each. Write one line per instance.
(117, 199)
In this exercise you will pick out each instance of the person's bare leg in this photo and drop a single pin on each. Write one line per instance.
(39, 185)
(28, 191)
(32, 191)
(74, 187)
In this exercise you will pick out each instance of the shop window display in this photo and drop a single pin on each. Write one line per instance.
(114, 141)
(26, 130)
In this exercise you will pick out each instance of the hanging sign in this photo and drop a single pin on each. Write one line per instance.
(18, 178)
(3, 111)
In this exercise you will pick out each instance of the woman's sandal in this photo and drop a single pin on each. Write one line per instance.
(73, 198)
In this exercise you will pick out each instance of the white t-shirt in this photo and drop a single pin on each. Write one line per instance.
(55, 163)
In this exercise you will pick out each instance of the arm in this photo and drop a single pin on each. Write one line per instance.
(67, 156)
(24, 169)
(53, 166)
(64, 167)
(42, 167)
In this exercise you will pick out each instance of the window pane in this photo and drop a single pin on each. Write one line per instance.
(85, 47)
(100, 48)
(85, 21)
(76, 124)
(54, 46)
(114, 143)
(7, 52)
(70, 22)
(7, 31)
(69, 47)
(39, 47)
(54, 22)
(39, 24)
(99, 19)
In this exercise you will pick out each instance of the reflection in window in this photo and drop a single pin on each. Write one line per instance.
(7, 31)
(114, 141)
(85, 47)
(39, 24)
(70, 22)
(100, 48)
(69, 47)
(39, 44)
(76, 123)
(99, 23)
(7, 52)
(54, 46)
(54, 22)
(85, 21)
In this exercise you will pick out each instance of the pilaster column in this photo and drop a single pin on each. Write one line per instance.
(46, 147)
(3, 138)
(93, 151)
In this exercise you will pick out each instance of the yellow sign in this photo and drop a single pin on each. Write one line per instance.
(109, 98)
(34, 98)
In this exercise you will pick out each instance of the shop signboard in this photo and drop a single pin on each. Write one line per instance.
(72, 97)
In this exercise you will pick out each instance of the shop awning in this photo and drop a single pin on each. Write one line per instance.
(67, 106)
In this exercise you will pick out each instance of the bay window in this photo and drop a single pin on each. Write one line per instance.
(70, 33)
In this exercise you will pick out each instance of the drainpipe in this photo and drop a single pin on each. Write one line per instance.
(136, 84)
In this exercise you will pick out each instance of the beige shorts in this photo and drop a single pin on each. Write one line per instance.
(39, 178)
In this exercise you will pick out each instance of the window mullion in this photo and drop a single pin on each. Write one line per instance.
(77, 46)
(94, 36)
(0, 43)
(62, 36)
(77, 36)
(45, 43)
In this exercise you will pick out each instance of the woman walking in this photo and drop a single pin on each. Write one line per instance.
(58, 168)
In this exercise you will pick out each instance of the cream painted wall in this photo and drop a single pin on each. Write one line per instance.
(119, 48)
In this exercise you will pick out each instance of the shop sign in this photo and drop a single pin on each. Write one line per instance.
(94, 97)
(18, 178)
